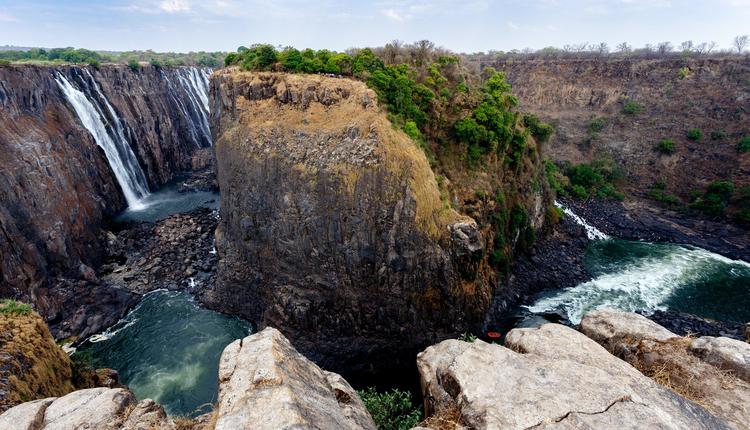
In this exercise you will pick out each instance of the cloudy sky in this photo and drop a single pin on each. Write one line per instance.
(460, 25)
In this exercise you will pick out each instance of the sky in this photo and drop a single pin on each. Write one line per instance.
(459, 25)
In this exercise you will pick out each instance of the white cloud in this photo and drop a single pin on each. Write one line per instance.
(393, 15)
(174, 6)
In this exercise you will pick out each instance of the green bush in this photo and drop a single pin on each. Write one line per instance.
(391, 410)
(659, 193)
(631, 108)
(596, 125)
(155, 63)
(541, 131)
(12, 307)
(715, 198)
(597, 178)
(4, 63)
(744, 144)
(718, 135)
(665, 146)
(134, 65)
(695, 134)
(94, 63)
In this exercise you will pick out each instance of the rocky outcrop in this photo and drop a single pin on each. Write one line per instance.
(711, 371)
(265, 384)
(32, 366)
(56, 186)
(333, 228)
(552, 377)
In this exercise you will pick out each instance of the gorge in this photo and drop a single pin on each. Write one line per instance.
(131, 199)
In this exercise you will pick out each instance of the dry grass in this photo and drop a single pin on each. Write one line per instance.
(448, 419)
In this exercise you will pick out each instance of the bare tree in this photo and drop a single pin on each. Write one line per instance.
(711, 46)
(686, 46)
(602, 49)
(391, 51)
(624, 48)
(664, 48)
(422, 52)
(741, 42)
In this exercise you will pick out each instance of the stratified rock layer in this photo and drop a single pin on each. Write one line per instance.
(558, 378)
(333, 228)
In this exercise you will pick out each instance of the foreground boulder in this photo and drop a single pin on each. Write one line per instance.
(93, 408)
(264, 383)
(708, 370)
(553, 377)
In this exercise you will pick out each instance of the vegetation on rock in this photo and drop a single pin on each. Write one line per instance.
(665, 146)
(391, 410)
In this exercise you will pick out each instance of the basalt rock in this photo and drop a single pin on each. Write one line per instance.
(56, 187)
(333, 228)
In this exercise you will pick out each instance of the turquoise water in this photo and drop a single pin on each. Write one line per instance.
(168, 349)
(643, 276)
(169, 201)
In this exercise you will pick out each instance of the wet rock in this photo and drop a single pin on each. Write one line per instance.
(558, 379)
(264, 383)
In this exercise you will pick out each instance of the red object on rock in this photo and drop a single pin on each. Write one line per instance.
(493, 335)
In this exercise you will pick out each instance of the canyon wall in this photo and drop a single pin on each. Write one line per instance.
(675, 95)
(333, 225)
(56, 185)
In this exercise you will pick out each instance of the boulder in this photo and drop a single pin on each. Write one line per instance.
(553, 377)
(693, 368)
(724, 353)
(264, 383)
(94, 408)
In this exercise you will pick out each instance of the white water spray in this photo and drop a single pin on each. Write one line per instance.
(120, 156)
(592, 232)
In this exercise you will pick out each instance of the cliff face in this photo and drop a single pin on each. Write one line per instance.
(333, 228)
(675, 95)
(56, 185)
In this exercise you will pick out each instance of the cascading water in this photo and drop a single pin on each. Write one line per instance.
(120, 156)
(193, 83)
(644, 276)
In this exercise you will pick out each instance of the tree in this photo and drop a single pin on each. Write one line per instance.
(664, 48)
(602, 48)
(624, 48)
(741, 42)
(134, 65)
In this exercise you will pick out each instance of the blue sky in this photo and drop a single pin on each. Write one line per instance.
(466, 26)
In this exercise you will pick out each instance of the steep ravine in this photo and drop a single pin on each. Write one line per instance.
(57, 188)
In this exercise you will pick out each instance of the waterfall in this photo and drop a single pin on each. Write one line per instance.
(193, 89)
(120, 156)
(592, 232)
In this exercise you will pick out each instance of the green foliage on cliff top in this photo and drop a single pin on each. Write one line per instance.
(600, 178)
(12, 307)
(391, 410)
(85, 56)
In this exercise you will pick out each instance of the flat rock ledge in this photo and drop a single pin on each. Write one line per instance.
(264, 383)
(548, 377)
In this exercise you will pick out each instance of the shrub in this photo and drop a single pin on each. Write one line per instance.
(134, 65)
(12, 307)
(597, 124)
(411, 129)
(714, 200)
(659, 193)
(541, 131)
(553, 215)
(155, 63)
(631, 108)
(718, 135)
(597, 178)
(94, 63)
(683, 73)
(744, 144)
(695, 134)
(665, 146)
(4, 63)
(467, 337)
(391, 410)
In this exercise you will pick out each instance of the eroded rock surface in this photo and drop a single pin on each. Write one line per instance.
(709, 371)
(558, 379)
(264, 383)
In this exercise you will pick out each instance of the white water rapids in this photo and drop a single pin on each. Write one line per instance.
(643, 278)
